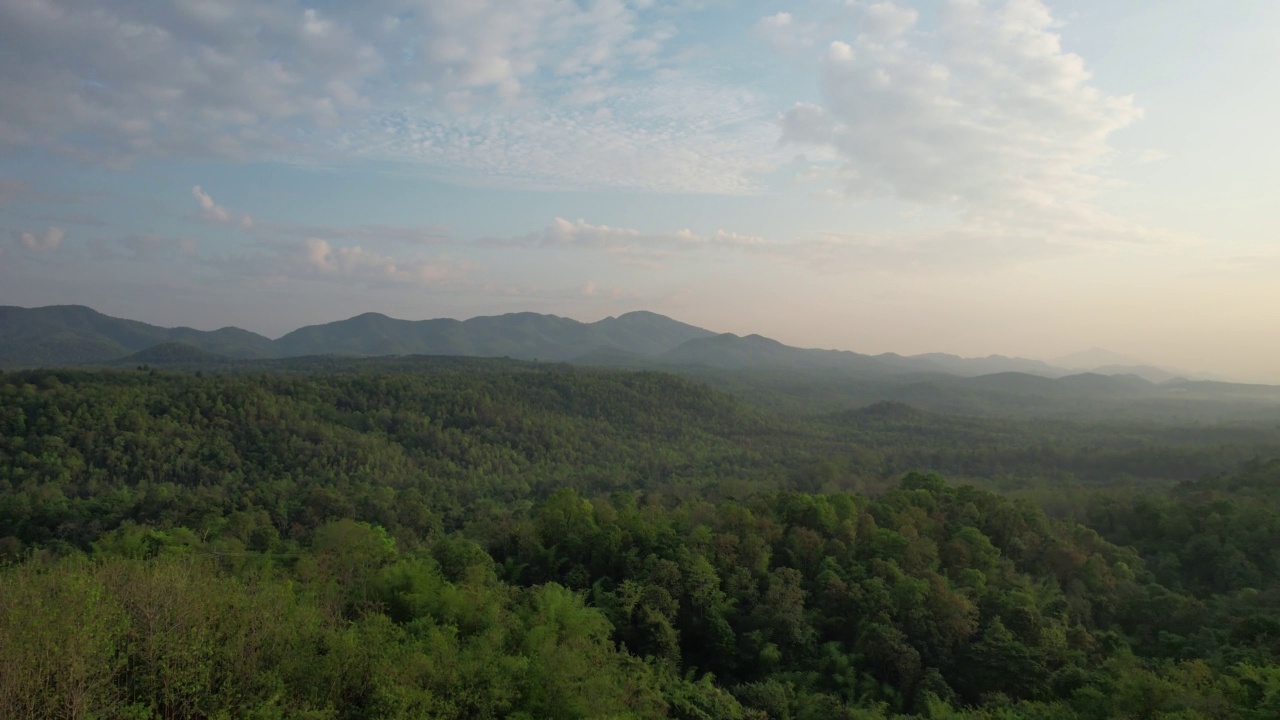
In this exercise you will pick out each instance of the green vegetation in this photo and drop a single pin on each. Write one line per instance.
(463, 538)
(73, 335)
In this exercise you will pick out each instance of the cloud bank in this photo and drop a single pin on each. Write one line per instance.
(526, 93)
(987, 108)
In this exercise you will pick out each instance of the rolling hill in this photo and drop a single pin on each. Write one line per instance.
(756, 366)
(524, 336)
(76, 335)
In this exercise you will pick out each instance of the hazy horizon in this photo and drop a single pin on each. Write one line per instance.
(1083, 360)
(974, 177)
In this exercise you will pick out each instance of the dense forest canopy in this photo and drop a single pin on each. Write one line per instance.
(462, 538)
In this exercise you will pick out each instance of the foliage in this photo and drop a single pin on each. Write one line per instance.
(472, 539)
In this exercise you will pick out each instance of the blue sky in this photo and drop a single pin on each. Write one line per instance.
(971, 176)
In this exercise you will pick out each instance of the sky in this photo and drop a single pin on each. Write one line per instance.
(1019, 177)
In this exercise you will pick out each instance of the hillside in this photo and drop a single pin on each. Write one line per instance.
(74, 335)
(458, 537)
(525, 336)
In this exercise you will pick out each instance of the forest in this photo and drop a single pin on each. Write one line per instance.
(464, 538)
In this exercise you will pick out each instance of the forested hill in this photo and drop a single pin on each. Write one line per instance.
(76, 335)
(518, 335)
(327, 437)
(73, 335)
(459, 538)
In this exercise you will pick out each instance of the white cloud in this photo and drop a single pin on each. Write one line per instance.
(885, 21)
(678, 134)
(212, 211)
(49, 241)
(1149, 156)
(218, 214)
(985, 112)
(785, 33)
(563, 233)
(561, 94)
(188, 78)
(318, 258)
(983, 241)
(247, 79)
(649, 250)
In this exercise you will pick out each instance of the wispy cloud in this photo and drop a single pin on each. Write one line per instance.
(214, 213)
(145, 247)
(393, 234)
(676, 134)
(981, 243)
(82, 219)
(543, 93)
(318, 259)
(48, 241)
(629, 245)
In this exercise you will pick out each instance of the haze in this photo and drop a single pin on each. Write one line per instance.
(1026, 178)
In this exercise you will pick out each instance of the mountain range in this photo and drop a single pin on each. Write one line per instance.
(77, 335)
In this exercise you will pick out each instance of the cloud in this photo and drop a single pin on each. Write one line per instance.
(248, 79)
(400, 234)
(628, 245)
(48, 242)
(561, 94)
(564, 233)
(785, 33)
(985, 111)
(885, 21)
(983, 241)
(674, 134)
(144, 247)
(218, 214)
(319, 258)
(68, 219)
(1149, 156)
(204, 79)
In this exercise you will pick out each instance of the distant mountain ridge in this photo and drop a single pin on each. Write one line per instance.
(524, 336)
(77, 335)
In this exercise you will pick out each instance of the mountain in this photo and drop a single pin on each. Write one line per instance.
(1149, 373)
(729, 351)
(1106, 362)
(73, 334)
(647, 333)
(970, 367)
(525, 336)
(1094, 358)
